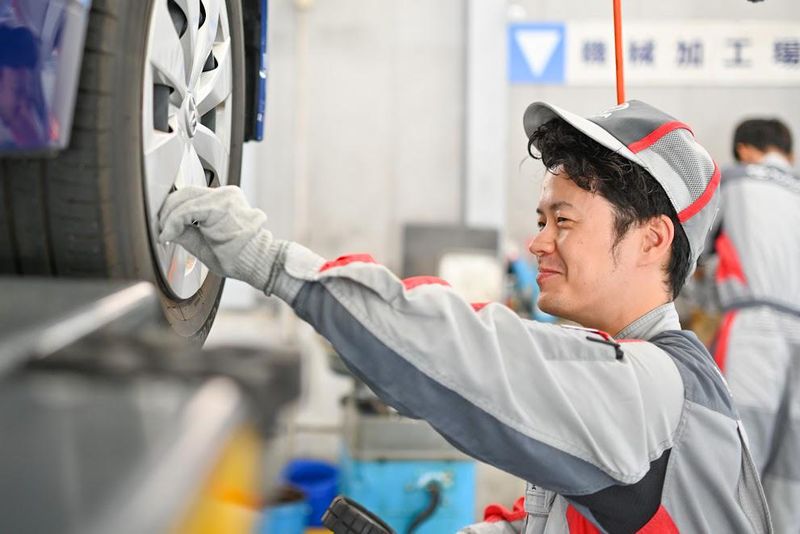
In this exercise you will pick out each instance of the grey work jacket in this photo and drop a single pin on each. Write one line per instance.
(624, 434)
(759, 241)
(758, 346)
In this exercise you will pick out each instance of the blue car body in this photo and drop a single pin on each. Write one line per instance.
(41, 47)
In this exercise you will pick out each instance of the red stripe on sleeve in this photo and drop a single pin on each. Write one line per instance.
(416, 281)
(345, 260)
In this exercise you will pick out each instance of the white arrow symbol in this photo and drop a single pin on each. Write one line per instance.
(537, 46)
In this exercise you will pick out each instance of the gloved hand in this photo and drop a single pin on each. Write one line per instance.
(219, 227)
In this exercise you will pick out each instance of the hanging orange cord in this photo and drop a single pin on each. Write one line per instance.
(618, 51)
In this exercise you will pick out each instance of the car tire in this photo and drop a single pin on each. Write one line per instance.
(84, 212)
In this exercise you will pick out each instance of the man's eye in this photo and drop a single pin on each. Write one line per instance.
(560, 220)
(540, 225)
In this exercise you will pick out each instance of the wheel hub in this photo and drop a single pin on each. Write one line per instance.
(190, 116)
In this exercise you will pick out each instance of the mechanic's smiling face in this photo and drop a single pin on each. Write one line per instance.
(582, 271)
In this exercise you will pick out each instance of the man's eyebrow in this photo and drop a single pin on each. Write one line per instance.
(556, 206)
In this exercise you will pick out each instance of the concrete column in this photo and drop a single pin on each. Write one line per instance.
(486, 115)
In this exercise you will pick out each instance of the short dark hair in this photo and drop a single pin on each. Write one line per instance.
(18, 47)
(635, 194)
(763, 134)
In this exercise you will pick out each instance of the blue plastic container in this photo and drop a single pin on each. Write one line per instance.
(318, 480)
(288, 518)
(391, 489)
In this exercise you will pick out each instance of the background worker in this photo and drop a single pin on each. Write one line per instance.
(758, 280)
(595, 426)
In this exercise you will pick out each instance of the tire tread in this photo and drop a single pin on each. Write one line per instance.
(52, 223)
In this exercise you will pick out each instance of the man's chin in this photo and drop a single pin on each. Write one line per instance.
(549, 304)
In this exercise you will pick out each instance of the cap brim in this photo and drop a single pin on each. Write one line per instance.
(539, 113)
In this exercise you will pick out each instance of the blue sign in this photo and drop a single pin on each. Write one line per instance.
(536, 53)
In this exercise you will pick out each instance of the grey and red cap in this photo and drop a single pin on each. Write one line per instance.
(663, 146)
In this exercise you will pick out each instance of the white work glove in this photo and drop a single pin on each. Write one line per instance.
(218, 226)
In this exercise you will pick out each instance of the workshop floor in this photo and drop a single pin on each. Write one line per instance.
(312, 427)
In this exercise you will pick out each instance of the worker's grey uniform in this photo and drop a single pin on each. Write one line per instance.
(621, 435)
(758, 348)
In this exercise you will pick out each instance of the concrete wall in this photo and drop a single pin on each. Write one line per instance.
(364, 121)
(365, 117)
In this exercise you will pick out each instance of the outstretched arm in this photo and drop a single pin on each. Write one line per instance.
(555, 406)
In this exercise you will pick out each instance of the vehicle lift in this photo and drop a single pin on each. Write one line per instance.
(110, 423)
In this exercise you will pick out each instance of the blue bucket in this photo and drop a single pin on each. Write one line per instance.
(318, 480)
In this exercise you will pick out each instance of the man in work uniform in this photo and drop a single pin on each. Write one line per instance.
(758, 281)
(635, 432)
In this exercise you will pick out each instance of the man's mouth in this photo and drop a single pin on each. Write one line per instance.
(545, 274)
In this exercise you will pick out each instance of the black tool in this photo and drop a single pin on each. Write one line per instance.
(345, 516)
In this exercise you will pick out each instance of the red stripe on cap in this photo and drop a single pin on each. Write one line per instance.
(478, 306)
(655, 135)
(416, 281)
(723, 337)
(729, 264)
(703, 199)
(345, 260)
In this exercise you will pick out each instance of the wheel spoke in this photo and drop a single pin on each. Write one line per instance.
(212, 152)
(192, 172)
(167, 53)
(206, 37)
(163, 158)
(215, 86)
(191, 8)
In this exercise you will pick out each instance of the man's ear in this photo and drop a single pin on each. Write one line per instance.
(657, 236)
(748, 153)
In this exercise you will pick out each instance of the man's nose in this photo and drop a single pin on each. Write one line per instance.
(542, 243)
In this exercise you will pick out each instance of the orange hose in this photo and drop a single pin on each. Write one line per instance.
(618, 51)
